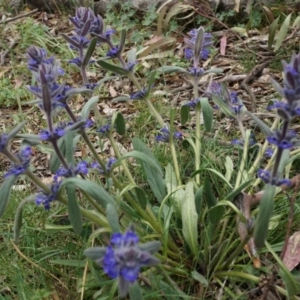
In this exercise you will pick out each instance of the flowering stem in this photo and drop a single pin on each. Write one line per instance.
(198, 130)
(123, 162)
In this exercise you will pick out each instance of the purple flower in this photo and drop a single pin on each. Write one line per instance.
(164, 135)
(46, 135)
(104, 130)
(113, 52)
(269, 152)
(193, 103)
(45, 199)
(196, 72)
(3, 141)
(202, 49)
(108, 166)
(124, 258)
(37, 56)
(266, 176)
(24, 157)
(81, 168)
(76, 61)
(139, 95)
(282, 141)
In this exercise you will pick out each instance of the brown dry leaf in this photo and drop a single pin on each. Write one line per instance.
(292, 255)
(223, 44)
(153, 40)
(112, 91)
(3, 70)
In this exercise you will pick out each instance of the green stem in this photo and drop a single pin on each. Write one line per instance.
(198, 130)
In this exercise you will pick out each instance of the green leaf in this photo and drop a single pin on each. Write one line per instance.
(262, 125)
(68, 138)
(199, 199)
(5, 192)
(217, 213)
(16, 129)
(122, 41)
(142, 157)
(73, 208)
(200, 278)
(89, 52)
(135, 292)
(171, 69)
(207, 112)
(95, 253)
(155, 179)
(282, 32)
(93, 189)
(190, 219)
(112, 68)
(85, 111)
(264, 214)
(272, 31)
(184, 114)
(119, 123)
(112, 217)
(141, 196)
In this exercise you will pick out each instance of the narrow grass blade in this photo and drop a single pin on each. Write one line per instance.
(5, 192)
(190, 219)
(200, 278)
(73, 208)
(264, 214)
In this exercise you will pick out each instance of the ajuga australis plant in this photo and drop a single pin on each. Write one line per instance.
(176, 237)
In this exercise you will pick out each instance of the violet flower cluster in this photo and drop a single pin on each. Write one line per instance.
(164, 135)
(124, 258)
(197, 48)
(287, 110)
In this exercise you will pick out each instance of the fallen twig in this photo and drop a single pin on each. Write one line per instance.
(19, 16)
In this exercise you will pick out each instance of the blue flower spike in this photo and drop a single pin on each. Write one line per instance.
(124, 258)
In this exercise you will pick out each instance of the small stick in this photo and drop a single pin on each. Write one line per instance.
(19, 16)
